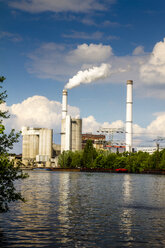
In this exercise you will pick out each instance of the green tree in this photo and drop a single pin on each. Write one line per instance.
(89, 155)
(100, 161)
(8, 172)
(77, 160)
(110, 160)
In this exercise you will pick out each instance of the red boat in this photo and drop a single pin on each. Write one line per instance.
(121, 170)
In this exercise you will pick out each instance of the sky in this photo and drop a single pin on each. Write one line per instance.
(96, 45)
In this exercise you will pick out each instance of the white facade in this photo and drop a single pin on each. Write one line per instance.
(129, 121)
(148, 149)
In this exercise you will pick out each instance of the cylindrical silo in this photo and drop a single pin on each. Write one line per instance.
(33, 146)
(129, 121)
(45, 143)
(63, 123)
(76, 130)
(68, 133)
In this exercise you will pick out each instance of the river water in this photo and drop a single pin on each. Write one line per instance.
(78, 209)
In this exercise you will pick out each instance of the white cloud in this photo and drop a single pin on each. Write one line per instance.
(62, 62)
(37, 111)
(48, 61)
(139, 50)
(56, 62)
(92, 53)
(90, 125)
(38, 6)
(158, 125)
(153, 71)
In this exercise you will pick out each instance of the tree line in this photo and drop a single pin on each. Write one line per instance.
(95, 159)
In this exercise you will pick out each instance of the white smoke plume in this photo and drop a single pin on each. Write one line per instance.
(92, 74)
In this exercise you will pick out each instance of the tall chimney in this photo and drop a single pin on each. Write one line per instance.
(129, 129)
(64, 103)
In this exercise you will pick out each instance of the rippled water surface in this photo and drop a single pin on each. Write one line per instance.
(87, 210)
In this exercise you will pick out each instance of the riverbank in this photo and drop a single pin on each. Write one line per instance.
(95, 170)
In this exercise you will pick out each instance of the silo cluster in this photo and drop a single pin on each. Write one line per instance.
(37, 145)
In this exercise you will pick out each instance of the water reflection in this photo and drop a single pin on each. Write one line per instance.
(126, 214)
(63, 217)
(87, 210)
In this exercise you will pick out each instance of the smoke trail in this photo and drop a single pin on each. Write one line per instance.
(90, 75)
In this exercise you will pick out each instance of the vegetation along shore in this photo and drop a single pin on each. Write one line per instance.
(91, 159)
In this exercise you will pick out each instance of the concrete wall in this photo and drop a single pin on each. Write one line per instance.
(76, 139)
(30, 143)
(71, 134)
(37, 143)
(45, 142)
(63, 124)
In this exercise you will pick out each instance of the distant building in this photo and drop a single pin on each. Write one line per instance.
(149, 149)
(37, 145)
(115, 148)
(98, 140)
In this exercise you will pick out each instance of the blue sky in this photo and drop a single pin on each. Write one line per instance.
(43, 44)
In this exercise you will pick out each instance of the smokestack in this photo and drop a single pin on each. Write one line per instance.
(129, 129)
(64, 103)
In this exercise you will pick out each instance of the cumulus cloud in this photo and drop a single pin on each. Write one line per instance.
(153, 71)
(93, 53)
(54, 61)
(61, 62)
(139, 50)
(38, 6)
(37, 111)
(158, 125)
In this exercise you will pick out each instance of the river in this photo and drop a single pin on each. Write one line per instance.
(78, 209)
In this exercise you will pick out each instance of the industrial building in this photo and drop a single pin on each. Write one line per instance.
(98, 140)
(149, 149)
(71, 128)
(37, 145)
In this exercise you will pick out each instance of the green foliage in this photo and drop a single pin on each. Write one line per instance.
(77, 160)
(8, 173)
(110, 160)
(133, 162)
(162, 159)
(89, 155)
(69, 159)
(100, 161)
